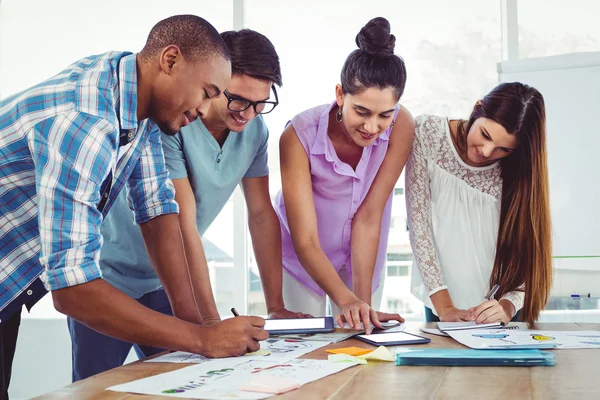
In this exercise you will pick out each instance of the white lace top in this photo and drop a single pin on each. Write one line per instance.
(453, 216)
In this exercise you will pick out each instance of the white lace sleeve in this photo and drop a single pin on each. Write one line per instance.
(418, 208)
(517, 298)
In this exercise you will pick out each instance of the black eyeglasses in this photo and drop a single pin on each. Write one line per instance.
(239, 104)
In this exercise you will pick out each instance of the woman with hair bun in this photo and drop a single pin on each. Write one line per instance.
(339, 165)
(478, 210)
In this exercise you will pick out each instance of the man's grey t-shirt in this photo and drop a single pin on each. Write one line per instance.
(213, 172)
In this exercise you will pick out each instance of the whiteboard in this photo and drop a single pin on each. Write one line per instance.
(570, 84)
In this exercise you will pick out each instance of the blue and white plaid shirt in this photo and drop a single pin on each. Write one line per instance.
(59, 141)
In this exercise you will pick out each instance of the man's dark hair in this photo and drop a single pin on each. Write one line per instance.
(195, 37)
(253, 54)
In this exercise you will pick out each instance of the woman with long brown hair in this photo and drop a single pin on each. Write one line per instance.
(478, 210)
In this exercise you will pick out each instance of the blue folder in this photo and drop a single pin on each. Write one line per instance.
(473, 357)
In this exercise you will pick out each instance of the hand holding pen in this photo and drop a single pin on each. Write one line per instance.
(492, 310)
(233, 336)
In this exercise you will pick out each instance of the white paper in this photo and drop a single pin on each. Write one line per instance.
(274, 349)
(524, 338)
(397, 328)
(222, 378)
(180, 357)
(386, 337)
(448, 326)
(434, 331)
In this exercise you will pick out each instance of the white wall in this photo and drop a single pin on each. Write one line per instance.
(570, 84)
(43, 357)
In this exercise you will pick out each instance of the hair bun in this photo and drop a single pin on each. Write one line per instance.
(375, 38)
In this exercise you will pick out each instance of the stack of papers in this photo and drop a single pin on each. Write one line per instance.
(454, 326)
(434, 331)
(470, 357)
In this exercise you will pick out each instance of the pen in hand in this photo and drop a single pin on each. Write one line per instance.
(236, 314)
(493, 291)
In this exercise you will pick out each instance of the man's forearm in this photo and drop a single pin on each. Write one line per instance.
(164, 245)
(109, 311)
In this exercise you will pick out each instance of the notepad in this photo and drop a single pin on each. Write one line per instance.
(471, 357)
(359, 355)
(270, 384)
(351, 351)
(455, 326)
(434, 331)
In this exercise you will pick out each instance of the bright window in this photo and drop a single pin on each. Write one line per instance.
(551, 27)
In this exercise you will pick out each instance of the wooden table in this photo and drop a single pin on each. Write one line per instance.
(576, 375)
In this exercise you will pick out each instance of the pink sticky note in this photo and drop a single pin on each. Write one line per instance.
(270, 384)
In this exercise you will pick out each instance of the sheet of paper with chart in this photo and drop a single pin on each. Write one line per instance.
(271, 349)
(223, 378)
(524, 338)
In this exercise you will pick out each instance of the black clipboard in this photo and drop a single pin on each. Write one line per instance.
(392, 339)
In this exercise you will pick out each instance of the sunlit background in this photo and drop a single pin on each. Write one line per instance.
(451, 50)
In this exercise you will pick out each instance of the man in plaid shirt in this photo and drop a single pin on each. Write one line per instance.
(67, 147)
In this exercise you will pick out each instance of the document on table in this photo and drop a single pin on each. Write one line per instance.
(224, 378)
(452, 326)
(526, 339)
(273, 349)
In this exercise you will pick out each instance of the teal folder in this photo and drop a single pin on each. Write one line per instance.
(473, 357)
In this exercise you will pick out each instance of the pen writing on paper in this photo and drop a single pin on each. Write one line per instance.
(234, 312)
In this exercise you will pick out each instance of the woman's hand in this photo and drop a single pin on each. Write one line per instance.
(453, 314)
(358, 314)
(385, 317)
(284, 313)
(493, 311)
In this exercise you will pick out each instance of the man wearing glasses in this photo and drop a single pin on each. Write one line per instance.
(206, 160)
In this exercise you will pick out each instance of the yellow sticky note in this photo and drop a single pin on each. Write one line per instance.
(345, 358)
(259, 353)
(351, 351)
(379, 354)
